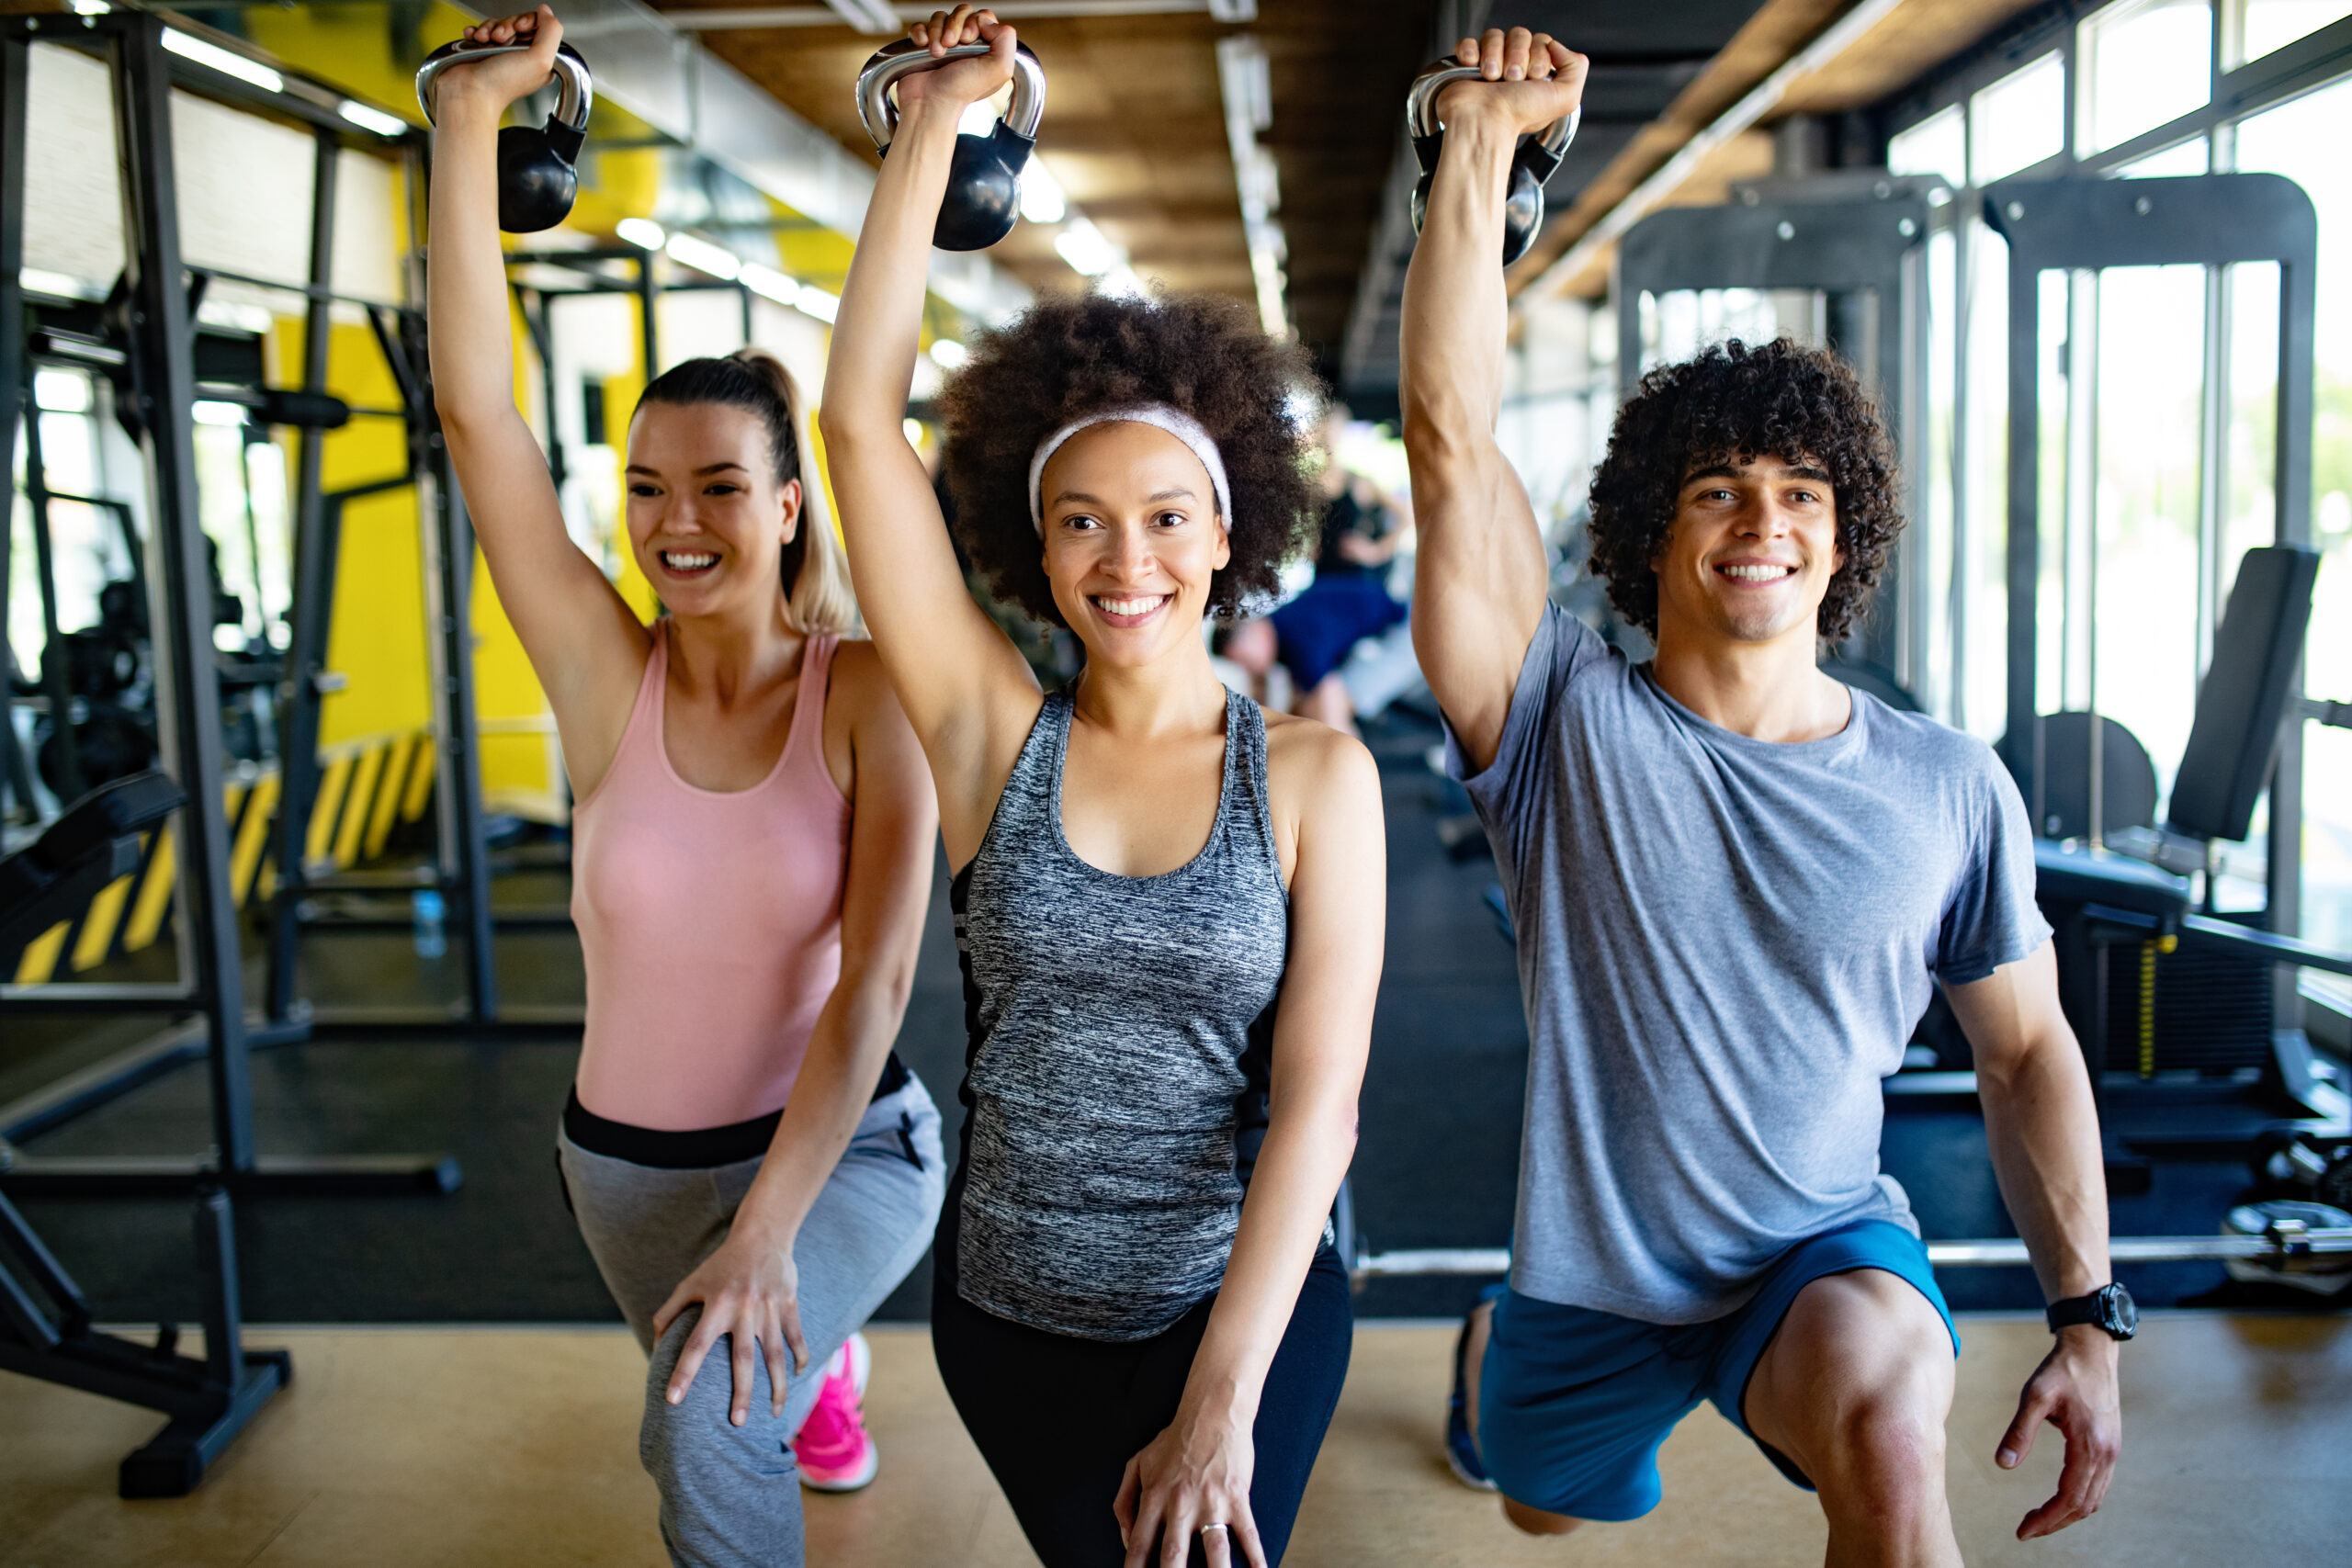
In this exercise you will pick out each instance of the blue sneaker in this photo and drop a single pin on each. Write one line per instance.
(1461, 1449)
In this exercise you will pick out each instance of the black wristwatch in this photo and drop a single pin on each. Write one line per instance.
(2109, 1308)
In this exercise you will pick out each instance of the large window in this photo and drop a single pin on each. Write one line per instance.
(2158, 387)
(2144, 63)
(2302, 140)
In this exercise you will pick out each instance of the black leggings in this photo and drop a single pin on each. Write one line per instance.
(1059, 1417)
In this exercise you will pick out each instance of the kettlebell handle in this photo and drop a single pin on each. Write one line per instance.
(878, 107)
(1420, 109)
(575, 94)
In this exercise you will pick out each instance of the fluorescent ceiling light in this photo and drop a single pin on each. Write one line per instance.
(34, 280)
(769, 284)
(237, 315)
(209, 412)
(60, 391)
(866, 16)
(228, 63)
(704, 257)
(370, 119)
(1121, 283)
(977, 120)
(1041, 200)
(818, 303)
(91, 7)
(643, 233)
(1082, 246)
(948, 353)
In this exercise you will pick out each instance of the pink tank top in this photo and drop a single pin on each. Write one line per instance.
(711, 921)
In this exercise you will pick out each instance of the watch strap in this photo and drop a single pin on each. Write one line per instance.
(2074, 1310)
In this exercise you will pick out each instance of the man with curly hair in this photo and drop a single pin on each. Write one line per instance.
(1734, 882)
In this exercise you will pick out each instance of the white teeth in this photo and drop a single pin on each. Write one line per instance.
(1132, 606)
(1757, 573)
(685, 560)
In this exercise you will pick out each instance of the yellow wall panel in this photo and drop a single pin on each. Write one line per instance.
(90, 949)
(387, 797)
(253, 833)
(41, 956)
(363, 801)
(420, 775)
(155, 893)
(331, 785)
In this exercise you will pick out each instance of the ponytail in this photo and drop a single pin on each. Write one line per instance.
(817, 592)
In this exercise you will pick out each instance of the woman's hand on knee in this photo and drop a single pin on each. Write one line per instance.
(750, 1289)
(1193, 1479)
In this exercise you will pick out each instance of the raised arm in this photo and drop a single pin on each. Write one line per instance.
(965, 687)
(1198, 1471)
(2043, 1128)
(1481, 570)
(582, 638)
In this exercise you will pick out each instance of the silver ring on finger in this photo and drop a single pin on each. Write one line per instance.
(1205, 1529)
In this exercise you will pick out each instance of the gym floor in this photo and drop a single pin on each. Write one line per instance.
(380, 1450)
(385, 1448)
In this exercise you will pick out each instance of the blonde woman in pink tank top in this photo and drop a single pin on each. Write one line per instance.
(751, 1168)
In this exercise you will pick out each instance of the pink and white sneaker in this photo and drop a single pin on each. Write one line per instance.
(832, 1450)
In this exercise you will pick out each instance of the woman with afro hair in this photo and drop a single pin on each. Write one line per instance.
(1169, 902)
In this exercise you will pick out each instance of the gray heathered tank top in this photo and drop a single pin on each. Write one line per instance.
(1121, 1035)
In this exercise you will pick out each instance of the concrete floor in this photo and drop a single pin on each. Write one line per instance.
(423, 1446)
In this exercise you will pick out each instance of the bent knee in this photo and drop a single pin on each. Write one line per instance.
(1883, 1457)
(1535, 1521)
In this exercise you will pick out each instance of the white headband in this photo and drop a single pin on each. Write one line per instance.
(1177, 423)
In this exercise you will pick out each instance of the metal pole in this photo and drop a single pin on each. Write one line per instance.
(649, 337)
(161, 339)
(449, 585)
(2025, 529)
(53, 653)
(1964, 526)
(16, 58)
(2291, 482)
(313, 612)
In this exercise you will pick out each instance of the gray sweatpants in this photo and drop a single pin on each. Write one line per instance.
(731, 1497)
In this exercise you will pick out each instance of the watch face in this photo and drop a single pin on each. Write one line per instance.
(2118, 1313)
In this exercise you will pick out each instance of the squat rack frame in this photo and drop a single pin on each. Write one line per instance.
(210, 1401)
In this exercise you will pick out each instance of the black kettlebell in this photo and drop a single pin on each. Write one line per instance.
(984, 181)
(536, 181)
(1537, 158)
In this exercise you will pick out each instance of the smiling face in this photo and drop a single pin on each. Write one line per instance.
(1750, 554)
(1132, 540)
(707, 519)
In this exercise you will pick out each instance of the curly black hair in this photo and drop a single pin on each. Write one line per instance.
(1737, 403)
(1067, 356)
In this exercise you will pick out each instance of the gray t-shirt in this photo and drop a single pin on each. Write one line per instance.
(1724, 946)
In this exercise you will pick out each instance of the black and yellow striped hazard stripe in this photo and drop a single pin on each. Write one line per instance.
(367, 788)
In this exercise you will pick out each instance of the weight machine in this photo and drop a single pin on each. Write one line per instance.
(2248, 732)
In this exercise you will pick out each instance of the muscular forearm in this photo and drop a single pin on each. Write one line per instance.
(1455, 307)
(1300, 1165)
(2043, 1128)
(466, 308)
(872, 360)
(846, 1050)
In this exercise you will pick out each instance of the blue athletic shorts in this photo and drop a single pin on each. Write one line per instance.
(1573, 1402)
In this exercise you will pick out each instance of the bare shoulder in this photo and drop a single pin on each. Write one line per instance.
(1310, 766)
(860, 685)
